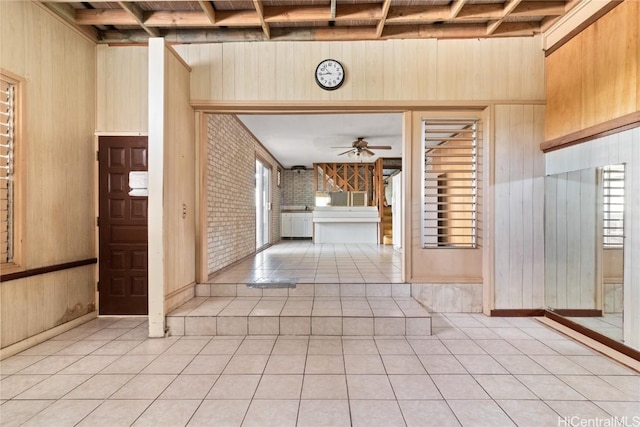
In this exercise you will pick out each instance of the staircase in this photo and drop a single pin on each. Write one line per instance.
(356, 309)
(387, 225)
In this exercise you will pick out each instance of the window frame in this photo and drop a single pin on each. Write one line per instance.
(17, 263)
(610, 197)
(438, 199)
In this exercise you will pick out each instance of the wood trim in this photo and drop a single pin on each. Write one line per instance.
(523, 312)
(120, 133)
(48, 269)
(596, 336)
(20, 157)
(202, 201)
(178, 57)
(62, 13)
(179, 291)
(609, 127)
(571, 34)
(578, 312)
(320, 107)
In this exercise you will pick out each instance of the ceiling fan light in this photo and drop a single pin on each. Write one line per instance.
(366, 154)
(351, 154)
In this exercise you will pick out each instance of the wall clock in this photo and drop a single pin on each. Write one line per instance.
(330, 74)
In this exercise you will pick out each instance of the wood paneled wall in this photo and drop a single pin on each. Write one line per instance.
(179, 183)
(172, 185)
(595, 77)
(122, 87)
(58, 66)
(623, 147)
(518, 246)
(571, 267)
(392, 70)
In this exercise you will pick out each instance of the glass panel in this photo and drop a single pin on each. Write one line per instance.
(584, 247)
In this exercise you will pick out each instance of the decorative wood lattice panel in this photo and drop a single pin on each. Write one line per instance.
(344, 177)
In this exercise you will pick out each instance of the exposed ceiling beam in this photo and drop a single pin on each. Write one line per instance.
(481, 11)
(455, 8)
(281, 14)
(539, 8)
(276, 14)
(219, 35)
(439, 31)
(383, 19)
(373, 19)
(135, 11)
(168, 18)
(208, 10)
(346, 12)
(520, 29)
(415, 14)
(510, 5)
(260, 11)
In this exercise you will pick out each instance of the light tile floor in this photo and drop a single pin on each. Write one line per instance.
(318, 263)
(474, 371)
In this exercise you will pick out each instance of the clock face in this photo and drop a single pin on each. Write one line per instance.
(329, 74)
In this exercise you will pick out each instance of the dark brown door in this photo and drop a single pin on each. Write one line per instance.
(123, 227)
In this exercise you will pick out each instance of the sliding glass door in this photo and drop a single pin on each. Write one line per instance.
(263, 204)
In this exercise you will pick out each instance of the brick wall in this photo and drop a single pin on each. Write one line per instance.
(297, 188)
(231, 157)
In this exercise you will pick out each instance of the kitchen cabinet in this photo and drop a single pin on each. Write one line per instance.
(296, 224)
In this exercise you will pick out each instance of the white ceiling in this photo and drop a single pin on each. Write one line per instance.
(304, 139)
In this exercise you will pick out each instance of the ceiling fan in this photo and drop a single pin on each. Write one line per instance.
(360, 147)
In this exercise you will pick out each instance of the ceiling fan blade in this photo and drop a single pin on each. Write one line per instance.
(341, 147)
(348, 151)
(379, 147)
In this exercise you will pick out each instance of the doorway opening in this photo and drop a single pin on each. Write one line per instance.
(263, 204)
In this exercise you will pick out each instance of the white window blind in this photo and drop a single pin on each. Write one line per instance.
(613, 206)
(450, 190)
(7, 125)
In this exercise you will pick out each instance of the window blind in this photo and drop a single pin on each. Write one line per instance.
(7, 125)
(450, 190)
(613, 206)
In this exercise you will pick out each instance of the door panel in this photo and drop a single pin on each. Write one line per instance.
(123, 287)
